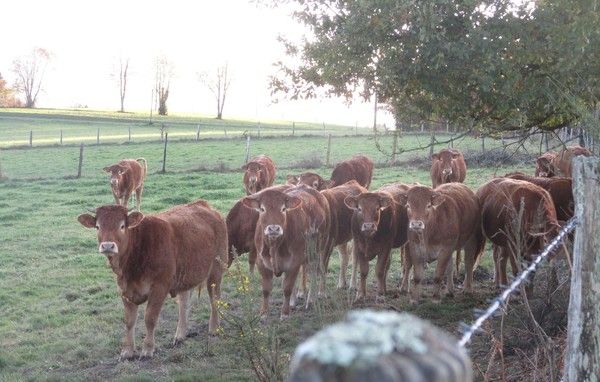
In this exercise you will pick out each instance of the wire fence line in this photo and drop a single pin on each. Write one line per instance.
(498, 302)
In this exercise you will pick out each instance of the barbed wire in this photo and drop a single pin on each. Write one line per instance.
(499, 301)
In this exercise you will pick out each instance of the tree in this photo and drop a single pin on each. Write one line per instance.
(30, 72)
(494, 64)
(121, 72)
(7, 99)
(162, 80)
(218, 85)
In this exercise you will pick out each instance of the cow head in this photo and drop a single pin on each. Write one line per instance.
(112, 223)
(252, 176)
(446, 157)
(117, 174)
(309, 179)
(368, 207)
(421, 203)
(544, 167)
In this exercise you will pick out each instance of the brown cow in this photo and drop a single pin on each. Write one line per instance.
(309, 179)
(543, 165)
(560, 189)
(441, 221)
(292, 226)
(379, 224)
(503, 202)
(448, 166)
(126, 177)
(359, 168)
(341, 222)
(562, 161)
(259, 174)
(155, 255)
(241, 225)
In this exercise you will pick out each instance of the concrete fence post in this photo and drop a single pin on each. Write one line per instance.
(582, 356)
(380, 346)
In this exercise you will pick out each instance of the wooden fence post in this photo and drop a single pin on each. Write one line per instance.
(61, 137)
(225, 131)
(432, 142)
(198, 133)
(129, 128)
(98, 137)
(328, 155)
(258, 129)
(482, 143)
(582, 355)
(164, 164)
(80, 161)
(394, 147)
(1, 174)
(356, 129)
(247, 148)
(293, 128)
(30, 138)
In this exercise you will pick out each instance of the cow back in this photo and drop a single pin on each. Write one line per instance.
(359, 168)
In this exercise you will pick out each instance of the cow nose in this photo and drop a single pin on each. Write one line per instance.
(447, 171)
(108, 247)
(253, 179)
(113, 182)
(274, 230)
(368, 227)
(543, 174)
(416, 225)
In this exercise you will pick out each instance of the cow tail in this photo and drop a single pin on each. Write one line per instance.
(144, 164)
(458, 261)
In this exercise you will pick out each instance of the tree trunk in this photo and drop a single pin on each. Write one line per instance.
(582, 362)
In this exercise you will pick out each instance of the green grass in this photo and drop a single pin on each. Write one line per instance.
(60, 313)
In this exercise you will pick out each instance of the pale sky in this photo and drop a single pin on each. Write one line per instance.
(86, 39)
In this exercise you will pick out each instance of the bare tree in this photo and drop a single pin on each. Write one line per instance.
(218, 85)
(121, 71)
(162, 80)
(30, 73)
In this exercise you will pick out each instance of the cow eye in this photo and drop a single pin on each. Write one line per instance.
(429, 205)
(123, 226)
(262, 209)
(316, 185)
(283, 208)
(97, 226)
(359, 209)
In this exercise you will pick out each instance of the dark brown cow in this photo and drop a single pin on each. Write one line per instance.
(259, 174)
(359, 168)
(126, 177)
(379, 224)
(441, 221)
(292, 227)
(341, 223)
(503, 201)
(543, 165)
(241, 225)
(560, 189)
(155, 255)
(448, 166)
(309, 179)
(562, 161)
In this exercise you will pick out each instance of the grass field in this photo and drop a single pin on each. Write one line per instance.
(60, 314)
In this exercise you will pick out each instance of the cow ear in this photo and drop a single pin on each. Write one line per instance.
(245, 167)
(107, 169)
(134, 219)
(402, 199)
(87, 220)
(385, 201)
(251, 202)
(437, 199)
(292, 179)
(435, 157)
(292, 202)
(351, 202)
(328, 184)
(455, 155)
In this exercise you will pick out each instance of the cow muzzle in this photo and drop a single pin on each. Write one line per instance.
(543, 174)
(416, 226)
(114, 182)
(368, 228)
(273, 231)
(108, 248)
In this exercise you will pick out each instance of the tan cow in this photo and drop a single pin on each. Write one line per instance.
(126, 177)
(379, 224)
(448, 166)
(441, 221)
(292, 227)
(562, 161)
(157, 255)
(503, 202)
(259, 173)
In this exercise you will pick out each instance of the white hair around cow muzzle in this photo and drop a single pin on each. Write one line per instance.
(273, 231)
(108, 248)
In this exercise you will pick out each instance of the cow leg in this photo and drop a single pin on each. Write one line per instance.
(267, 287)
(126, 198)
(354, 267)
(183, 301)
(450, 277)
(131, 312)
(496, 253)
(156, 300)
(406, 266)
(418, 268)
(503, 258)
(252, 260)
(470, 251)
(138, 196)
(444, 260)
(363, 263)
(303, 278)
(381, 271)
(343, 251)
(214, 294)
(117, 199)
(289, 280)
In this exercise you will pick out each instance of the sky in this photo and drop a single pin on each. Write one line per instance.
(86, 39)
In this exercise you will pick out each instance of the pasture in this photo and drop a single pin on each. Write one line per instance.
(60, 312)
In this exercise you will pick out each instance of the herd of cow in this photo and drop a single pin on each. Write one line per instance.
(291, 230)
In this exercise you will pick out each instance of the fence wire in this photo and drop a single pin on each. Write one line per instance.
(469, 330)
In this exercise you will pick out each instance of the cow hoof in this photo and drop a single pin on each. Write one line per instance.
(146, 354)
(178, 341)
(379, 298)
(342, 285)
(413, 302)
(322, 295)
(359, 298)
(436, 300)
(284, 317)
(300, 296)
(127, 355)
